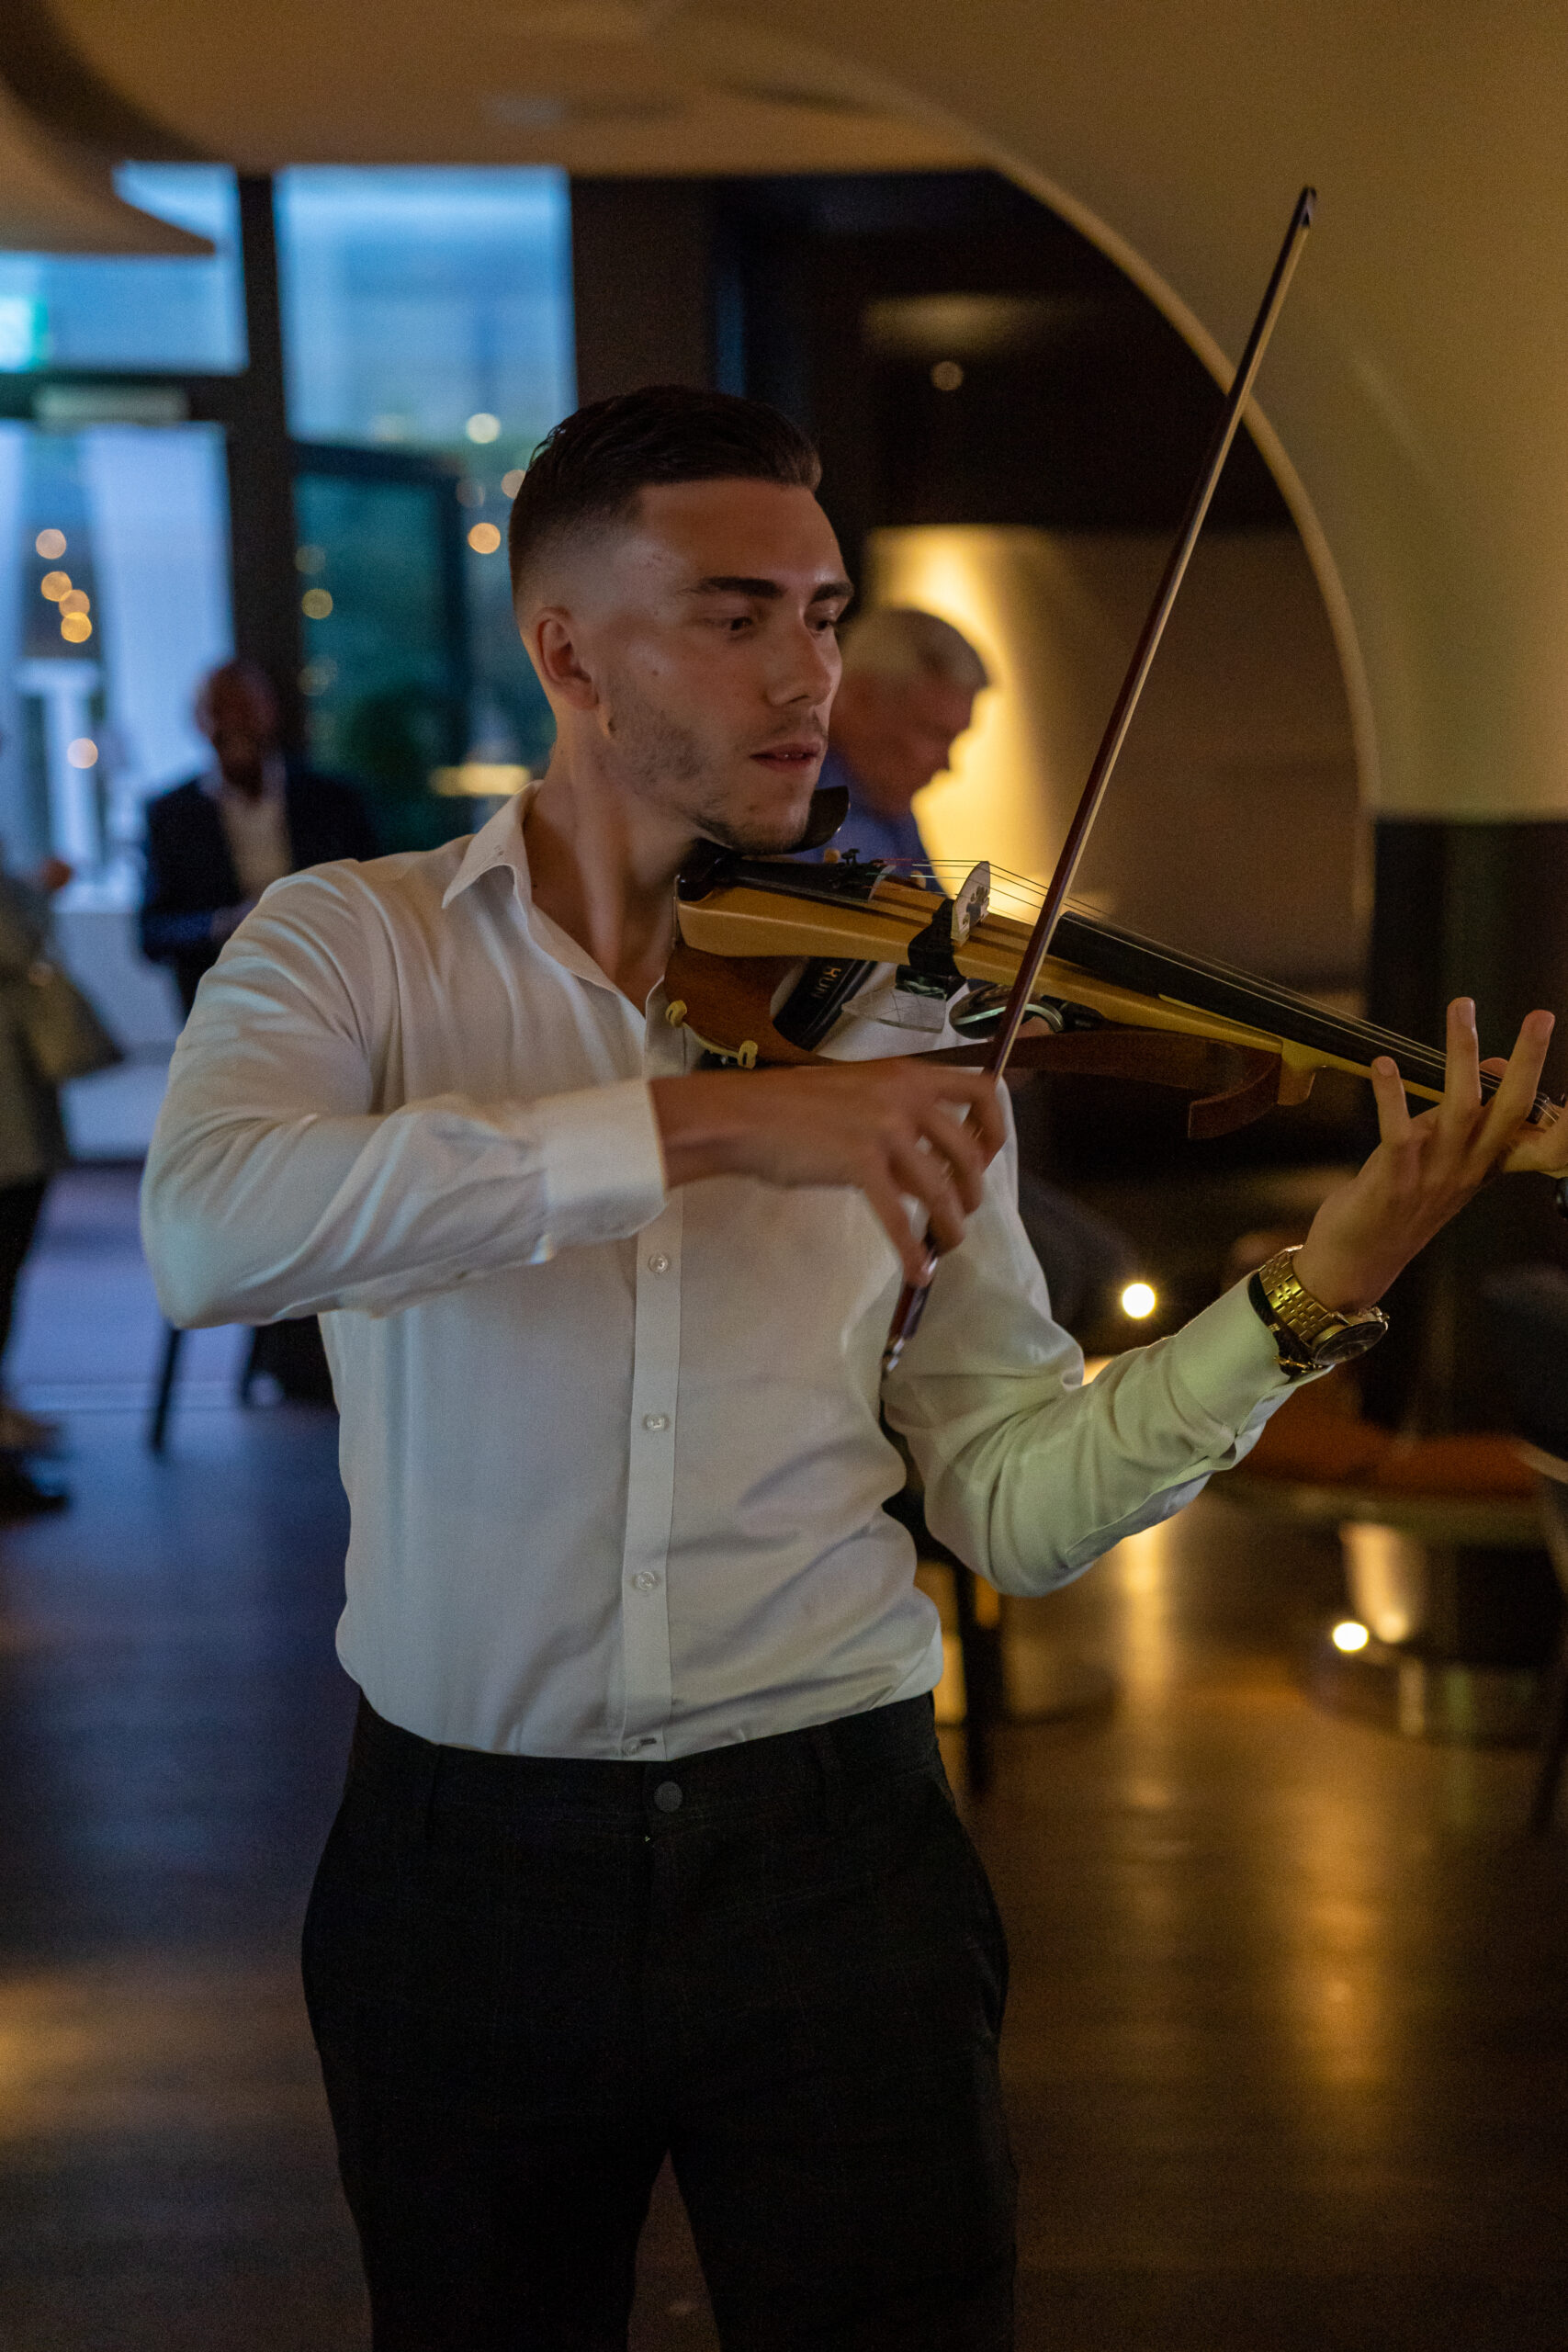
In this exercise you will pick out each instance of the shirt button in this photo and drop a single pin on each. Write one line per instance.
(659, 1264)
(645, 1580)
(656, 1420)
(668, 1796)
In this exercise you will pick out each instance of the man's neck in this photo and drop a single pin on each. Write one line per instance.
(602, 866)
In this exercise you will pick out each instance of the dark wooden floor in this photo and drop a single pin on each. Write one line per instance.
(1287, 2049)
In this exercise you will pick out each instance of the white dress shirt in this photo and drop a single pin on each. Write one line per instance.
(255, 826)
(612, 1451)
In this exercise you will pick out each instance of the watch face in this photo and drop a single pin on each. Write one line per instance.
(1354, 1339)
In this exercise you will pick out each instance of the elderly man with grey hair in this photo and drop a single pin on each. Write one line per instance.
(908, 693)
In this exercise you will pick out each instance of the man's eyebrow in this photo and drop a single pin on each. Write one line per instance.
(736, 583)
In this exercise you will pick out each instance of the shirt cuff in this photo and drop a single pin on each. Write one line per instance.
(602, 1162)
(1226, 1359)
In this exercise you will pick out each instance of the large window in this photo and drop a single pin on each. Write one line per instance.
(114, 596)
(187, 316)
(427, 312)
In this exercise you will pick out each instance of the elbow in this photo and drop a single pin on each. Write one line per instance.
(183, 1237)
(187, 1276)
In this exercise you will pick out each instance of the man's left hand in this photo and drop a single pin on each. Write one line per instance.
(1426, 1168)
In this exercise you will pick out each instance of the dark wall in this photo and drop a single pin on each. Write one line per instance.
(1078, 408)
(642, 278)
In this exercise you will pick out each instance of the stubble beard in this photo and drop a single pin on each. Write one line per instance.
(668, 765)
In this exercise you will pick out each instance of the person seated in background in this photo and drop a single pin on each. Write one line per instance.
(908, 695)
(214, 843)
(213, 846)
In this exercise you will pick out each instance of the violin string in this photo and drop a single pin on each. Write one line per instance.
(1271, 993)
(1371, 1037)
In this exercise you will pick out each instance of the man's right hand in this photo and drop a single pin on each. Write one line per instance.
(894, 1130)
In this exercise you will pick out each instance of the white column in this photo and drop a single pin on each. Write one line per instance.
(66, 689)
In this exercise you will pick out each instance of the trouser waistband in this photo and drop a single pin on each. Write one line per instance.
(853, 1750)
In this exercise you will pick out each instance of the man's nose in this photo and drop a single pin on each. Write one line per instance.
(810, 672)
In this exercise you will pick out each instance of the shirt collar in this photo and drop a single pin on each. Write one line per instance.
(274, 780)
(498, 843)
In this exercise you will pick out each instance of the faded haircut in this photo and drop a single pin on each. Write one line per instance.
(591, 469)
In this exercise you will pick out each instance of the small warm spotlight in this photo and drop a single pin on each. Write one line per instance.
(55, 584)
(76, 629)
(310, 559)
(51, 545)
(1139, 1300)
(482, 426)
(947, 375)
(512, 480)
(316, 604)
(1349, 1635)
(82, 752)
(484, 538)
(75, 600)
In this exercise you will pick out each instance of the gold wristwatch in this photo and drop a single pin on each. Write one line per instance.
(1309, 1336)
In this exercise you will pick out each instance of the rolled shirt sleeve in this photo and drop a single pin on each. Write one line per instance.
(275, 1187)
(1029, 1474)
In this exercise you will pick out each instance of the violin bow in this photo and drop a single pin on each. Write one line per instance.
(912, 1298)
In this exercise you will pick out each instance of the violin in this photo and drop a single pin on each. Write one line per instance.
(771, 953)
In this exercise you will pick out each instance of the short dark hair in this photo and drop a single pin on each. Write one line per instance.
(591, 468)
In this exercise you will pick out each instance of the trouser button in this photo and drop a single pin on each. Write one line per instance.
(668, 1796)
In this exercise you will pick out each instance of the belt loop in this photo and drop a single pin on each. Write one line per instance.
(826, 1749)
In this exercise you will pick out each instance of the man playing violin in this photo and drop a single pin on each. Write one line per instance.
(645, 1847)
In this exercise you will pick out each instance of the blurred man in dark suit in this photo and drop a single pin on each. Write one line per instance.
(214, 844)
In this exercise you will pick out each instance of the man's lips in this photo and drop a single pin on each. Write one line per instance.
(789, 759)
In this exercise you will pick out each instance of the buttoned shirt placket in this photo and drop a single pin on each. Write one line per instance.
(647, 1688)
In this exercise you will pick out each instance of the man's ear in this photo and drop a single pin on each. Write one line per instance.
(551, 638)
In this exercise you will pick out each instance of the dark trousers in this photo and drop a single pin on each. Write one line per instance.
(21, 1206)
(778, 1962)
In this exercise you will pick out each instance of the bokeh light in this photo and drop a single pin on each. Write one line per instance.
(316, 604)
(82, 752)
(55, 584)
(512, 480)
(51, 545)
(1349, 1635)
(484, 538)
(75, 600)
(1139, 1300)
(947, 375)
(308, 558)
(76, 629)
(482, 426)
